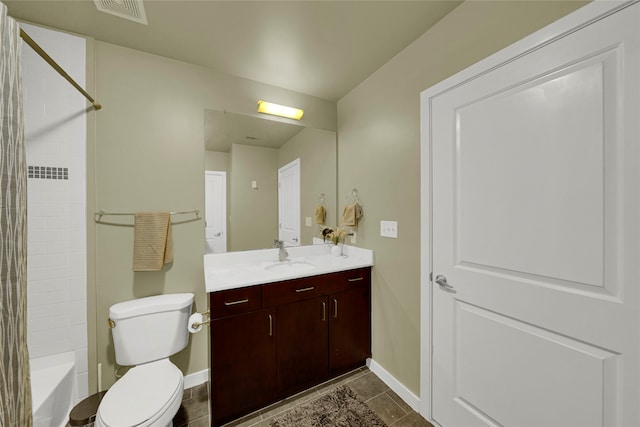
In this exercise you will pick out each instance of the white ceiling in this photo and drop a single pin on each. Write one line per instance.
(319, 48)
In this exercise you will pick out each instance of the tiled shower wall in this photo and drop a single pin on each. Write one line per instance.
(55, 133)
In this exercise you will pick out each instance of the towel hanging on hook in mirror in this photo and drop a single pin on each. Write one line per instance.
(320, 214)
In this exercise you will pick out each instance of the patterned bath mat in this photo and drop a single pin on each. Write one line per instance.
(339, 408)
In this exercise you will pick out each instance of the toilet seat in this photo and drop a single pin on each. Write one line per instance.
(142, 395)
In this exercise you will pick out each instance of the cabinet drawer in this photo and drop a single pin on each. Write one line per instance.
(234, 301)
(293, 290)
(311, 287)
(346, 279)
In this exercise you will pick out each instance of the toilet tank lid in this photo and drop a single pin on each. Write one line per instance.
(153, 304)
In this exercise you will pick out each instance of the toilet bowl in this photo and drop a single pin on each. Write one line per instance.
(146, 331)
(147, 395)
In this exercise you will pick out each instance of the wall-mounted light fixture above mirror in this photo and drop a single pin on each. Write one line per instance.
(280, 110)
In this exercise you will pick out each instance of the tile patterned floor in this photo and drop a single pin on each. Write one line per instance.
(194, 411)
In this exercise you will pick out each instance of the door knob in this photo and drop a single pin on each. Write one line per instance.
(442, 281)
(218, 234)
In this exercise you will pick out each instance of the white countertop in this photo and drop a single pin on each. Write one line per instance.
(240, 269)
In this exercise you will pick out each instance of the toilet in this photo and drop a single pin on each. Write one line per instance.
(146, 331)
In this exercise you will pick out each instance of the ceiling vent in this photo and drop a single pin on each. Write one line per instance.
(132, 10)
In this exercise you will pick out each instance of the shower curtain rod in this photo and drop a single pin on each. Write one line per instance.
(28, 40)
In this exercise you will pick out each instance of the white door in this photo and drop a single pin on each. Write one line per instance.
(535, 195)
(215, 201)
(289, 203)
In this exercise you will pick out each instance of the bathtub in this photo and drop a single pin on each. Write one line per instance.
(52, 389)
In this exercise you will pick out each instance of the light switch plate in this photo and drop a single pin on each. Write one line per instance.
(307, 221)
(389, 229)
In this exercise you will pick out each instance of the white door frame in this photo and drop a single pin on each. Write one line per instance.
(294, 207)
(589, 13)
(223, 206)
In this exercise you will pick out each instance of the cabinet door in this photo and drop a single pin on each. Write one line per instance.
(302, 337)
(350, 328)
(243, 364)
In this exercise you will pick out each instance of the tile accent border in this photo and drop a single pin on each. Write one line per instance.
(48, 172)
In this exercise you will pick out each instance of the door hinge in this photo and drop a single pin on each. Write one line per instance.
(431, 276)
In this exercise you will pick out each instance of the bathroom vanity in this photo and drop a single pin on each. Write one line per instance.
(272, 339)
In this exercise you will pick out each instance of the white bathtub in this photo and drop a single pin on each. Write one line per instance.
(52, 389)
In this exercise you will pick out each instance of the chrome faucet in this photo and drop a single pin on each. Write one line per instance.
(282, 252)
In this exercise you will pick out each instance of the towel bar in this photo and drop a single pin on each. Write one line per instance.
(97, 216)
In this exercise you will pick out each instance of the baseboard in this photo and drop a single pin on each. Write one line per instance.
(395, 385)
(405, 394)
(196, 378)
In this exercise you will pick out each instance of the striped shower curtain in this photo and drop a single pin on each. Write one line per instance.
(15, 389)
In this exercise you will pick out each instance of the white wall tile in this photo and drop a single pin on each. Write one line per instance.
(49, 323)
(55, 132)
(79, 314)
(62, 247)
(82, 358)
(49, 310)
(82, 386)
(78, 336)
(40, 299)
(78, 289)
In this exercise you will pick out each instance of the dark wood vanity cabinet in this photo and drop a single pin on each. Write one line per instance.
(243, 352)
(242, 360)
(349, 328)
(302, 336)
(270, 341)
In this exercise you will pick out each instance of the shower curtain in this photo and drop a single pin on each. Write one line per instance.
(15, 389)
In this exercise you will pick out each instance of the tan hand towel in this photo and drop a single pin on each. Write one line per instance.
(359, 212)
(152, 242)
(351, 214)
(320, 214)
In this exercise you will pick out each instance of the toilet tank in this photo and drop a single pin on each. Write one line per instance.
(151, 328)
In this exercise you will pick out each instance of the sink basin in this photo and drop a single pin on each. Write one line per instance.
(291, 267)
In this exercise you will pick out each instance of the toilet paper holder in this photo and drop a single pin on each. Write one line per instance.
(196, 325)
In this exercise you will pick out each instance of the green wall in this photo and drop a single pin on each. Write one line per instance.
(253, 213)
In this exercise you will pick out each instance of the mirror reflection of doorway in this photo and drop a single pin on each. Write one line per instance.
(289, 203)
(215, 200)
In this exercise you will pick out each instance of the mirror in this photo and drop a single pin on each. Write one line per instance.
(246, 153)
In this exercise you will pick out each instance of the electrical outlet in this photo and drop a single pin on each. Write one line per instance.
(389, 229)
(353, 240)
